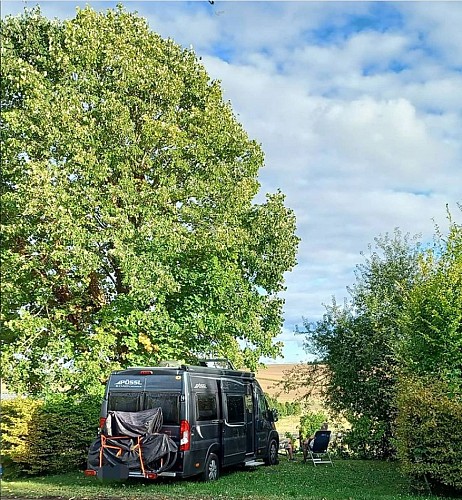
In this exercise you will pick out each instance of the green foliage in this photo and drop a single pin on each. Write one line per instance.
(367, 438)
(285, 409)
(48, 437)
(18, 417)
(357, 343)
(429, 425)
(429, 432)
(431, 322)
(129, 230)
(310, 423)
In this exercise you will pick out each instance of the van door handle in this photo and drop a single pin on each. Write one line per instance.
(217, 421)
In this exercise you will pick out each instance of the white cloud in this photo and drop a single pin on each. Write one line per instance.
(440, 23)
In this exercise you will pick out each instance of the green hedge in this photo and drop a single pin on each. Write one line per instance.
(429, 433)
(48, 437)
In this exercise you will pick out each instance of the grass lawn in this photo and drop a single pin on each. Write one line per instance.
(346, 480)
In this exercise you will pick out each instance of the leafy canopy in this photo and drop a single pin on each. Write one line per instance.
(357, 343)
(431, 322)
(400, 330)
(130, 234)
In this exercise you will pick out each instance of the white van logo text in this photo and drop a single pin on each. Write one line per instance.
(129, 382)
(200, 386)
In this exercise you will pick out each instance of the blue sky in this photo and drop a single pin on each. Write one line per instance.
(357, 105)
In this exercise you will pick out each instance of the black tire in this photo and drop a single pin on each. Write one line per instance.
(272, 456)
(211, 469)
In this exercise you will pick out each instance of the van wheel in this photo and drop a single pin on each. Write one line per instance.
(211, 470)
(272, 457)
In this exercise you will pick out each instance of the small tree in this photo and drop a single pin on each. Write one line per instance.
(311, 422)
(356, 344)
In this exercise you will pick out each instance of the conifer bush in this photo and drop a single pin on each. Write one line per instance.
(48, 437)
(429, 433)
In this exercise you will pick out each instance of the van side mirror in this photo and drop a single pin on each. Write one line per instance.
(273, 415)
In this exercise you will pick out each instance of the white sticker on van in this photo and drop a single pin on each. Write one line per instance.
(128, 381)
(200, 386)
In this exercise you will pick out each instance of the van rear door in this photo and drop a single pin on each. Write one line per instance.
(134, 390)
(165, 391)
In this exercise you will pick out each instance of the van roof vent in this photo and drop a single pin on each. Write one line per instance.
(217, 363)
(171, 363)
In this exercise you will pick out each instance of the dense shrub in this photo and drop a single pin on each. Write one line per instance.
(367, 439)
(429, 432)
(49, 436)
(285, 409)
(311, 422)
(18, 416)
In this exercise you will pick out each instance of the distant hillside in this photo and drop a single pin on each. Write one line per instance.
(272, 374)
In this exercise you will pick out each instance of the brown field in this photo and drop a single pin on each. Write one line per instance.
(270, 376)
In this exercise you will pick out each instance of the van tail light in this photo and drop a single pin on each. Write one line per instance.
(90, 472)
(146, 372)
(102, 422)
(185, 435)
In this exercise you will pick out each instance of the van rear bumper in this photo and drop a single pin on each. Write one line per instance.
(135, 474)
(152, 475)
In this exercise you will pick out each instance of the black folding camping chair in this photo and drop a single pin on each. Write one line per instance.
(318, 449)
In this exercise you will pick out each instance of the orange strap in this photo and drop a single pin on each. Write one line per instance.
(119, 453)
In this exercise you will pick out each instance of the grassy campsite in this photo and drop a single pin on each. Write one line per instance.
(346, 479)
(145, 260)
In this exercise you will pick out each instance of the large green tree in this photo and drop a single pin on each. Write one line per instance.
(129, 231)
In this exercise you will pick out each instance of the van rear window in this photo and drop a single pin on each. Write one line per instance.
(121, 401)
(170, 404)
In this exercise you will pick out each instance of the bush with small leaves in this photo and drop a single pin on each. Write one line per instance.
(429, 432)
(48, 437)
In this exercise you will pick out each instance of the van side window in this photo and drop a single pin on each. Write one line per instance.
(235, 406)
(262, 404)
(206, 407)
(124, 402)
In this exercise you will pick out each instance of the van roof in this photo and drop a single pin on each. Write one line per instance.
(156, 370)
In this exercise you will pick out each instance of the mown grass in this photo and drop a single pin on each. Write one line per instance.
(346, 480)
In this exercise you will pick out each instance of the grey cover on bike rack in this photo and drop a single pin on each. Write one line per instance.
(133, 423)
(122, 430)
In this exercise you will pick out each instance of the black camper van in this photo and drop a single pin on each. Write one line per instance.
(182, 420)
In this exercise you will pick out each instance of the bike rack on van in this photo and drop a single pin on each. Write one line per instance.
(165, 462)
